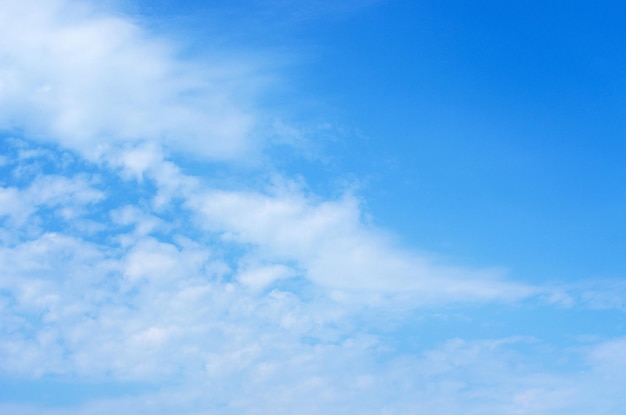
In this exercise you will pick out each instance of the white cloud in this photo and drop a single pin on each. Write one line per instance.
(10, 203)
(88, 80)
(155, 311)
(262, 276)
(609, 357)
(458, 376)
(159, 304)
(67, 195)
(328, 239)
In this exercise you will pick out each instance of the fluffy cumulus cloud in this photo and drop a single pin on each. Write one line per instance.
(197, 296)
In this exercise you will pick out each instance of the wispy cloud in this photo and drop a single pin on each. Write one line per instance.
(90, 80)
(329, 240)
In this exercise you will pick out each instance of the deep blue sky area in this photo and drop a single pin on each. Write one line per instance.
(494, 126)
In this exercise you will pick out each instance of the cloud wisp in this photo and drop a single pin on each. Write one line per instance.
(91, 80)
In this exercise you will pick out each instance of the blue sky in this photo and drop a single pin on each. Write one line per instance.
(279, 207)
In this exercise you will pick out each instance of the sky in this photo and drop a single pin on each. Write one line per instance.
(312, 207)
